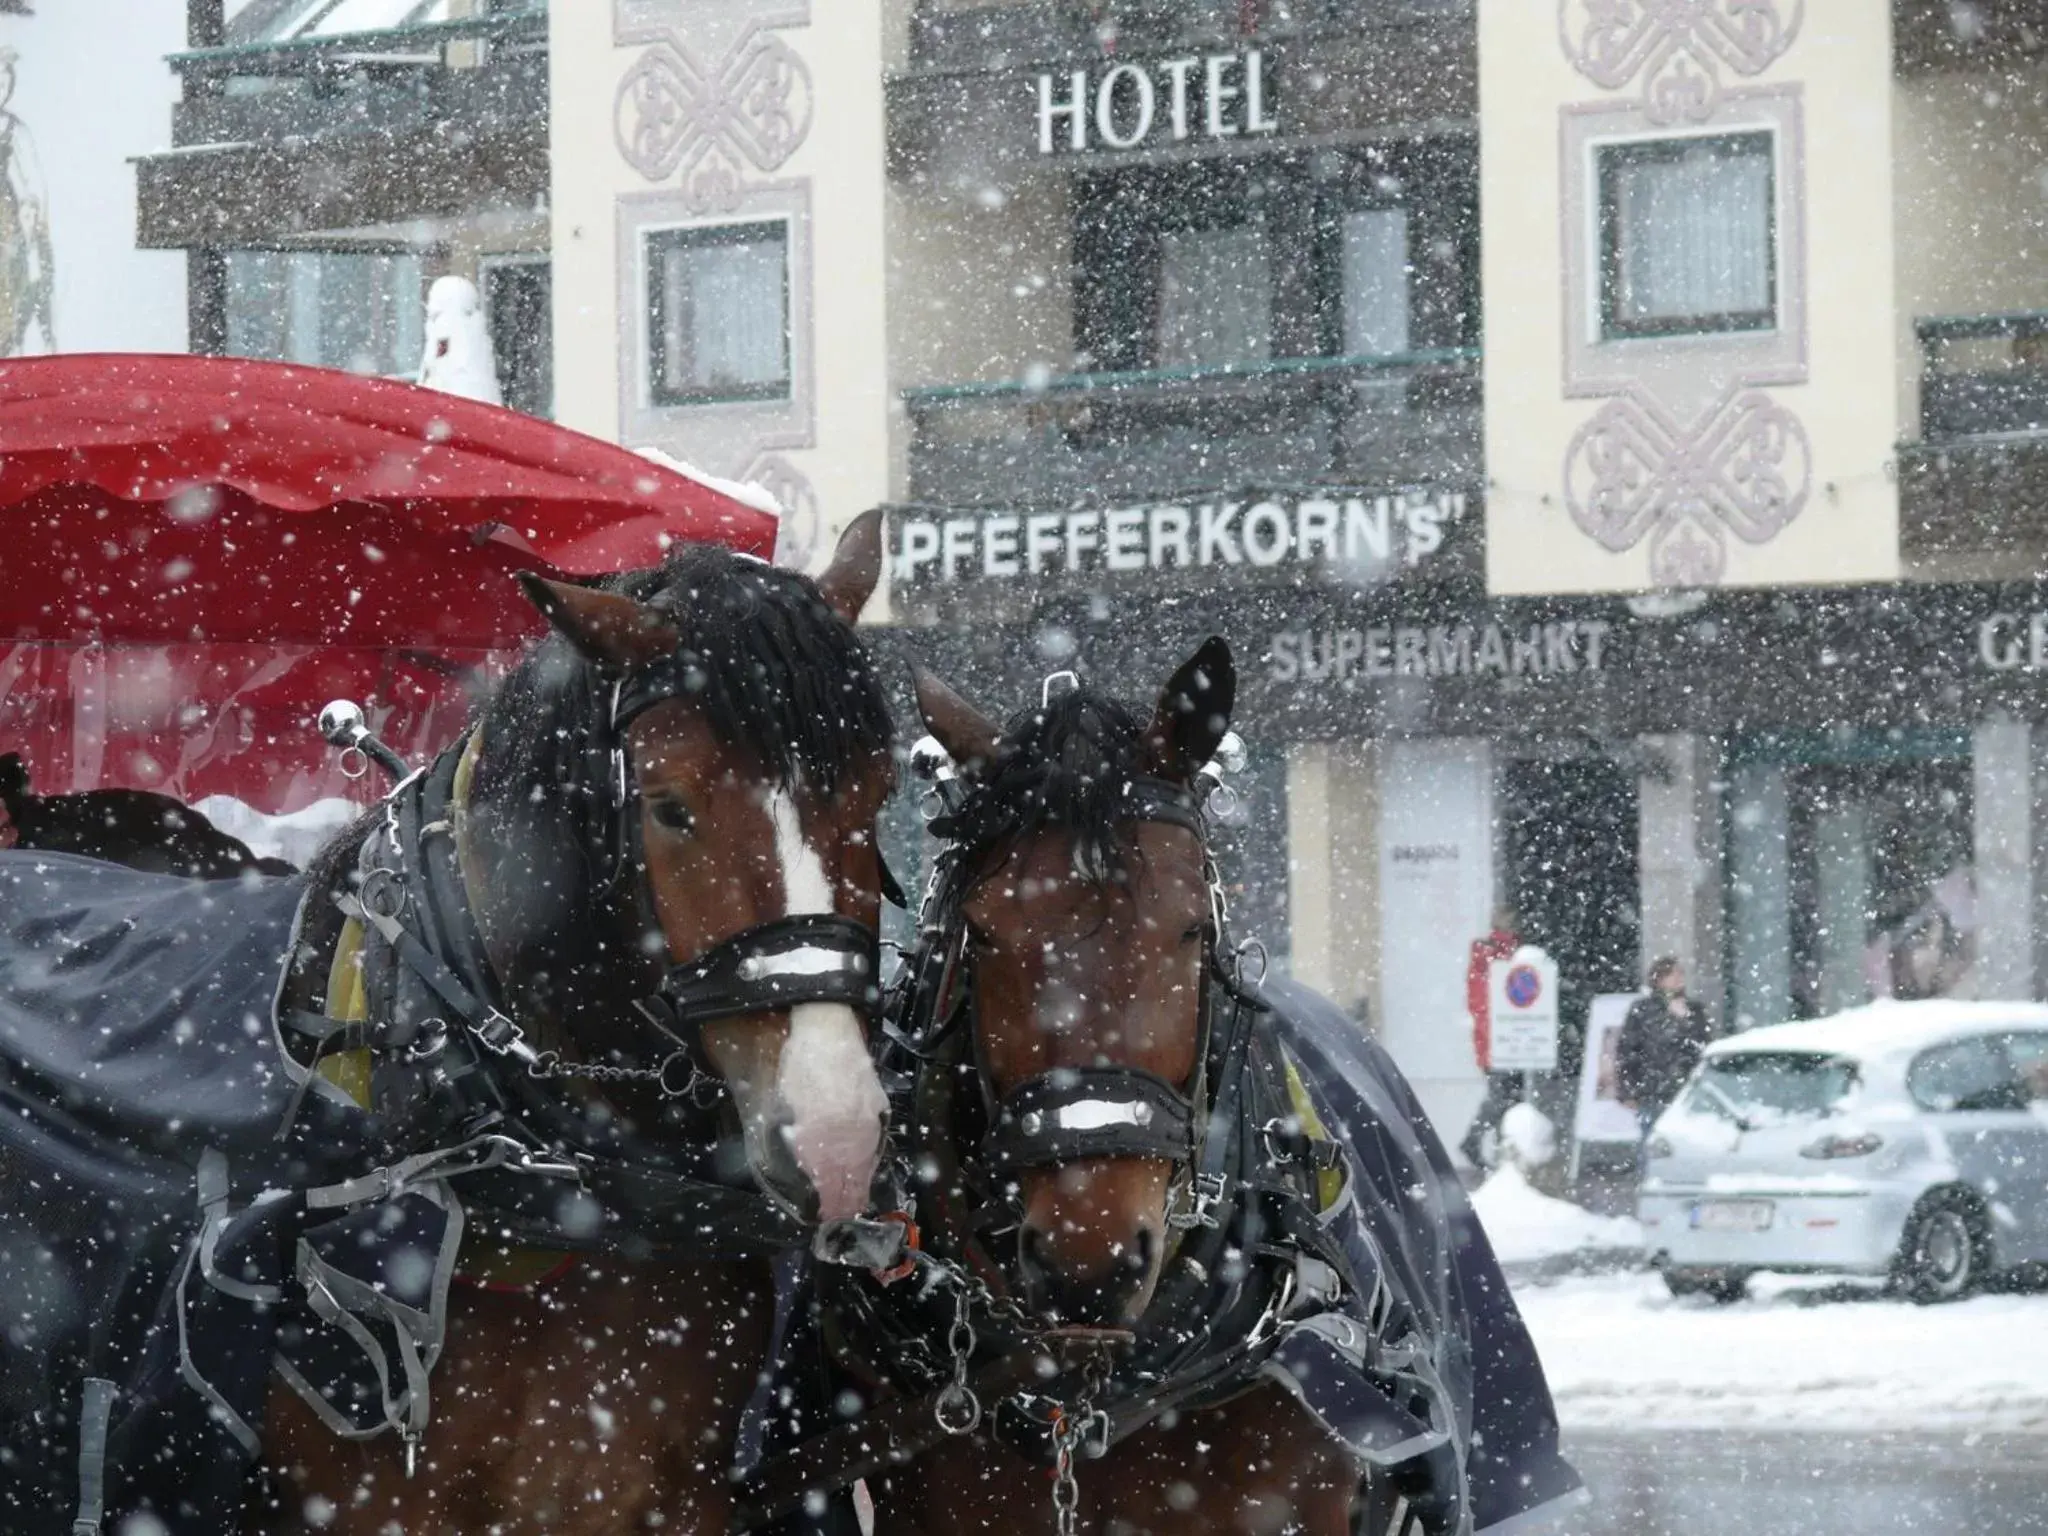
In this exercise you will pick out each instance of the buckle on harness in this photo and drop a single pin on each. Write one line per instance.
(1205, 1193)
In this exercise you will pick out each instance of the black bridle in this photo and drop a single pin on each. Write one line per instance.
(1070, 1113)
(458, 1060)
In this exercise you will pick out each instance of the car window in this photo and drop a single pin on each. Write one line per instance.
(2028, 1053)
(1964, 1075)
(1763, 1085)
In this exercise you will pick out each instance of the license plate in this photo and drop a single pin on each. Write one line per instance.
(1732, 1215)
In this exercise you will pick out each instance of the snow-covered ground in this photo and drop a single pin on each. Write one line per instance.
(294, 837)
(1526, 1226)
(1622, 1354)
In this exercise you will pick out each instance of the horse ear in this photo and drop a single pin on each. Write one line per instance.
(612, 630)
(849, 581)
(1194, 712)
(968, 735)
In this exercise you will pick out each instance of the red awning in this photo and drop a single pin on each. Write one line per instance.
(196, 553)
(199, 497)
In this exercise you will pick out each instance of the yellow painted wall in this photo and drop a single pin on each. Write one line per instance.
(1848, 530)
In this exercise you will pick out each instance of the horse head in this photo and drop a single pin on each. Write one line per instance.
(694, 755)
(1082, 880)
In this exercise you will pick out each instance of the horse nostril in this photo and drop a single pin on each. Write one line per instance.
(1142, 1252)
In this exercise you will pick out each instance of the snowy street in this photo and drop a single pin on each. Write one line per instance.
(1735, 1483)
(1814, 1407)
(1622, 1354)
(1807, 1410)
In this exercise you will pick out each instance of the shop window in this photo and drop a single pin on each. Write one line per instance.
(1687, 236)
(1215, 297)
(1373, 255)
(718, 313)
(362, 311)
(518, 300)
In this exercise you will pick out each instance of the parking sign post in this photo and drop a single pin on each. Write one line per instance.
(1523, 992)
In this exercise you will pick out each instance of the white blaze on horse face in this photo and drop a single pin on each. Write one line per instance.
(826, 1081)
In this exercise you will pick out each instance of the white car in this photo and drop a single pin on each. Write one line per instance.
(1908, 1140)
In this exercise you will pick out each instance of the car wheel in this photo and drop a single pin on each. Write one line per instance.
(1942, 1251)
(1720, 1285)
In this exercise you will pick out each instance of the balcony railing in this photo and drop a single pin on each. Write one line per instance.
(1983, 376)
(1094, 438)
(391, 78)
(966, 35)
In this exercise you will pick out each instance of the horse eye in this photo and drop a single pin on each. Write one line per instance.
(672, 815)
(1194, 933)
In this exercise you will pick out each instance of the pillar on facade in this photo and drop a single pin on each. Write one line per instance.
(1333, 904)
(2006, 824)
(1680, 854)
(1759, 889)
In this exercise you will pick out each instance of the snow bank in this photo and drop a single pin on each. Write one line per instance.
(1525, 1225)
(1622, 1354)
(294, 837)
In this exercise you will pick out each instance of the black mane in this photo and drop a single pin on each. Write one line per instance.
(778, 675)
(1065, 764)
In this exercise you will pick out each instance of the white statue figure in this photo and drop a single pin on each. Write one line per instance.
(459, 359)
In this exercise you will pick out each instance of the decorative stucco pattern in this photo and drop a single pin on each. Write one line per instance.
(1633, 472)
(1688, 448)
(710, 122)
(1676, 49)
(711, 107)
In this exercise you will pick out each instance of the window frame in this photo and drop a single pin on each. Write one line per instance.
(655, 243)
(1609, 157)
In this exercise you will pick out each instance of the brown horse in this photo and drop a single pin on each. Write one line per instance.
(743, 800)
(1061, 1116)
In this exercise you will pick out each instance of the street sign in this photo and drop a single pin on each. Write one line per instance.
(1523, 993)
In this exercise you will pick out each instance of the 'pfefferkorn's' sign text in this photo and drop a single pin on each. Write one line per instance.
(1136, 106)
(1364, 532)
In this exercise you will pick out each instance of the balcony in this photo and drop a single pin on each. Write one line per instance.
(957, 36)
(1096, 439)
(1975, 482)
(1983, 376)
(281, 137)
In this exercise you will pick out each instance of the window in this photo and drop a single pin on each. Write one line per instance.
(2028, 1054)
(1373, 254)
(1774, 1084)
(364, 311)
(1687, 236)
(1962, 1076)
(1215, 297)
(718, 314)
(518, 297)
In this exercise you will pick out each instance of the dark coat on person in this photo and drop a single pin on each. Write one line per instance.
(1659, 1048)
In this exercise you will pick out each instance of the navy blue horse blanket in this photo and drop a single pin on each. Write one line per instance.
(142, 1082)
(1470, 1436)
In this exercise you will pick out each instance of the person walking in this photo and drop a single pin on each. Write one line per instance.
(1661, 1041)
(1503, 1089)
